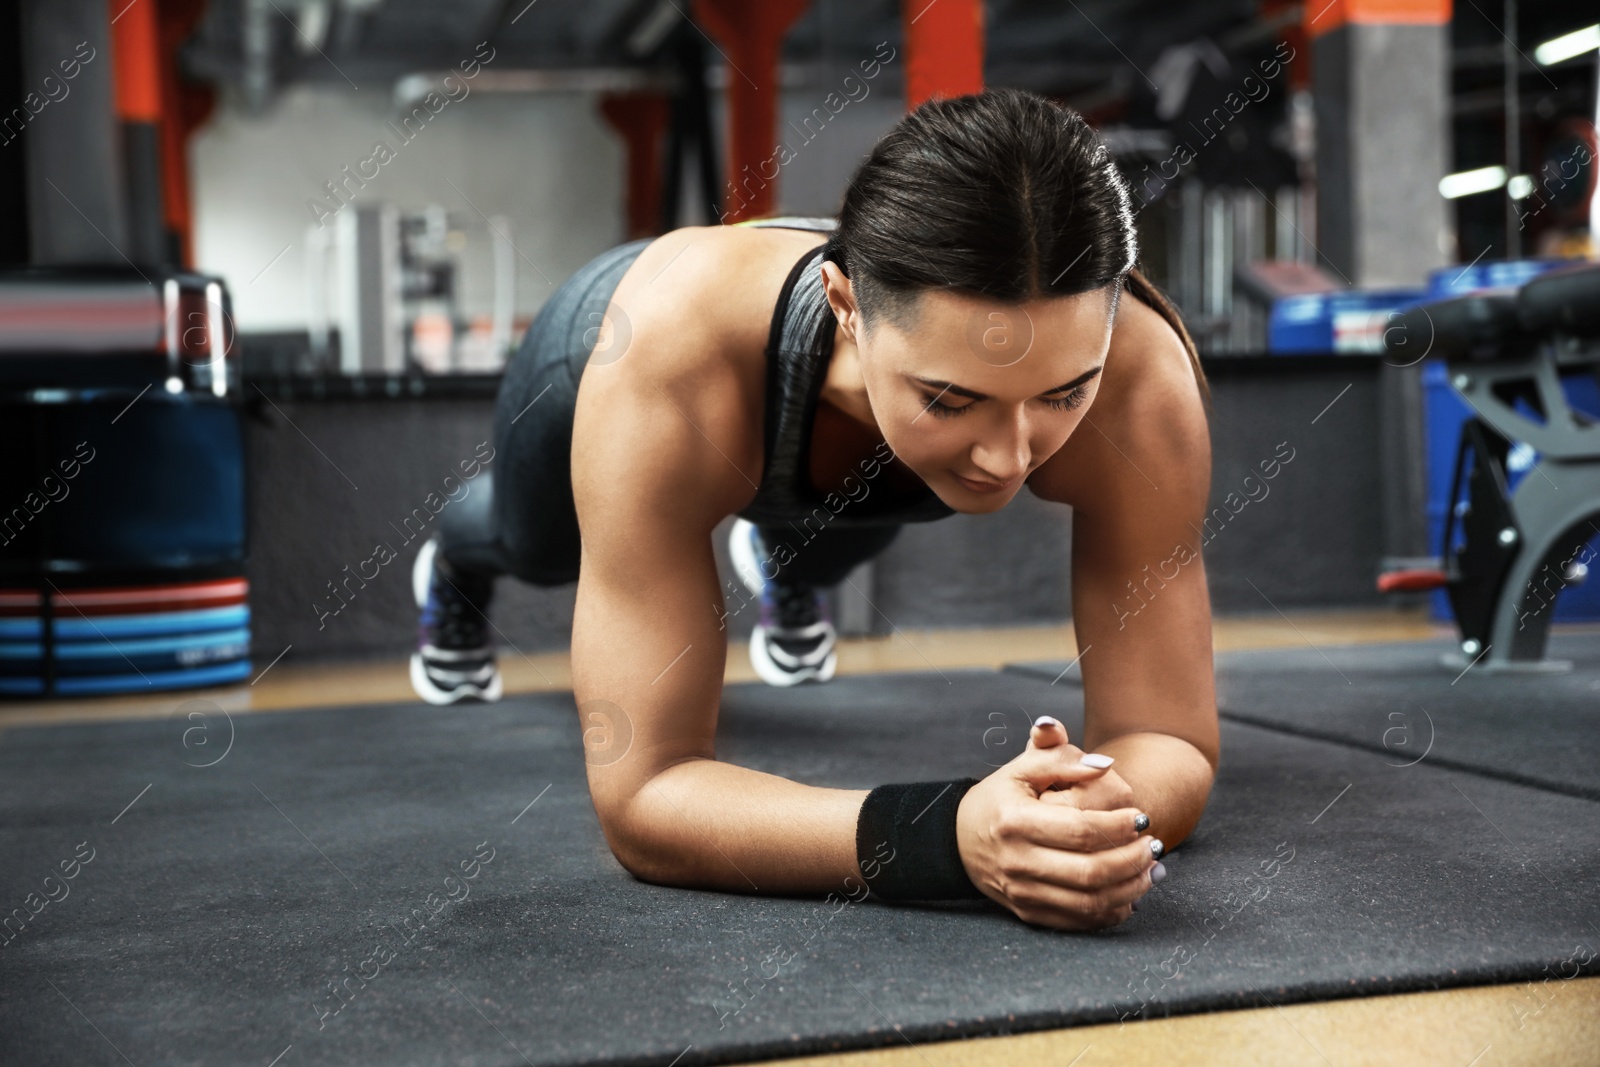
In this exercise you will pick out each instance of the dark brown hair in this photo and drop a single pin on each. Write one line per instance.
(1003, 193)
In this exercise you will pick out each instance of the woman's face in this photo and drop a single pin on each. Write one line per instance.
(976, 394)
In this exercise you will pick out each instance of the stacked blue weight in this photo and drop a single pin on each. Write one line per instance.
(122, 514)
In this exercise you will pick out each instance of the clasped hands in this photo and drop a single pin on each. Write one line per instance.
(1054, 836)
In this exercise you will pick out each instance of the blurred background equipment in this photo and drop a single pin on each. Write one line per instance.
(1518, 517)
(382, 294)
(122, 540)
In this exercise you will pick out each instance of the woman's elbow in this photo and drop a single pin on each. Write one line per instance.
(644, 862)
(1205, 738)
(641, 853)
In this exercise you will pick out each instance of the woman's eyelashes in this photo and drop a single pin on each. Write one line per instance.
(933, 405)
(1071, 400)
(1066, 402)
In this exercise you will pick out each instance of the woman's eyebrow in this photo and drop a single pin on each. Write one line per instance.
(973, 394)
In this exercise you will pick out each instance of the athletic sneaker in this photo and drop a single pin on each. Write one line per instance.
(794, 641)
(454, 658)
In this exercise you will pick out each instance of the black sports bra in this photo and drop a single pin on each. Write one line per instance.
(799, 346)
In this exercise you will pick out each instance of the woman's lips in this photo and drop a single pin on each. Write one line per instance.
(982, 487)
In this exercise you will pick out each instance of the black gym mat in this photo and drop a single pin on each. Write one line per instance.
(1540, 729)
(218, 908)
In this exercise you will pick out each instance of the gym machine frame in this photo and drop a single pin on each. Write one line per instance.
(1520, 548)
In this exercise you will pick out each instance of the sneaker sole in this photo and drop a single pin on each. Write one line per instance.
(774, 675)
(428, 691)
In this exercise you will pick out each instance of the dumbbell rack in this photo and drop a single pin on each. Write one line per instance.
(1507, 554)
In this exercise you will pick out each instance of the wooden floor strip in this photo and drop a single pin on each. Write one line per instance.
(1535, 1023)
(287, 685)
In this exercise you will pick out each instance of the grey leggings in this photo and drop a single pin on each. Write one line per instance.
(523, 522)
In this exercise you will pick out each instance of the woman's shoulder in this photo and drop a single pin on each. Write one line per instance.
(690, 319)
(1146, 347)
(1151, 382)
(714, 287)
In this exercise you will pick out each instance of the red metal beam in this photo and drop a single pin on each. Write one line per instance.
(751, 36)
(944, 48)
(136, 60)
(157, 111)
(1325, 18)
(640, 118)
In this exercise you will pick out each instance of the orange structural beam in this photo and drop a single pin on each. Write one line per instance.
(641, 119)
(136, 60)
(1290, 16)
(185, 107)
(944, 48)
(751, 36)
(1325, 16)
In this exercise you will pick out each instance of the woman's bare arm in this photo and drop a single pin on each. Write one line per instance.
(663, 449)
(1138, 475)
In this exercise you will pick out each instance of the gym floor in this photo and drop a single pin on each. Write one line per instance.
(1551, 1022)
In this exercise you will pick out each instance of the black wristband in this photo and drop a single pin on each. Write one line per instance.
(906, 842)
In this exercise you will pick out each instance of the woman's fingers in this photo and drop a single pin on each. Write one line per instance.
(1058, 763)
(1106, 792)
(1049, 863)
(1044, 903)
(1088, 871)
(1076, 829)
(1048, 732)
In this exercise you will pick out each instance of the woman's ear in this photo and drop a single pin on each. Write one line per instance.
(841, 298)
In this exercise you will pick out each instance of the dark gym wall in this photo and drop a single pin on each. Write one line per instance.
(332, 480)
(1008, 569)
(1314, 538)
(1311, 539)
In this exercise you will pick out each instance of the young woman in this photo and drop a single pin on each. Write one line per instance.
(962, 331)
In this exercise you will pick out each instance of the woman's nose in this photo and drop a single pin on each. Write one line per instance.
(1003, 455)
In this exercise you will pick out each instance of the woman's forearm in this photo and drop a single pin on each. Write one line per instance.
(706, 824)
(1170, 778)
(713, 825)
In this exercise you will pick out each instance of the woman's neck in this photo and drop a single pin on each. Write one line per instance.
(843, 387)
